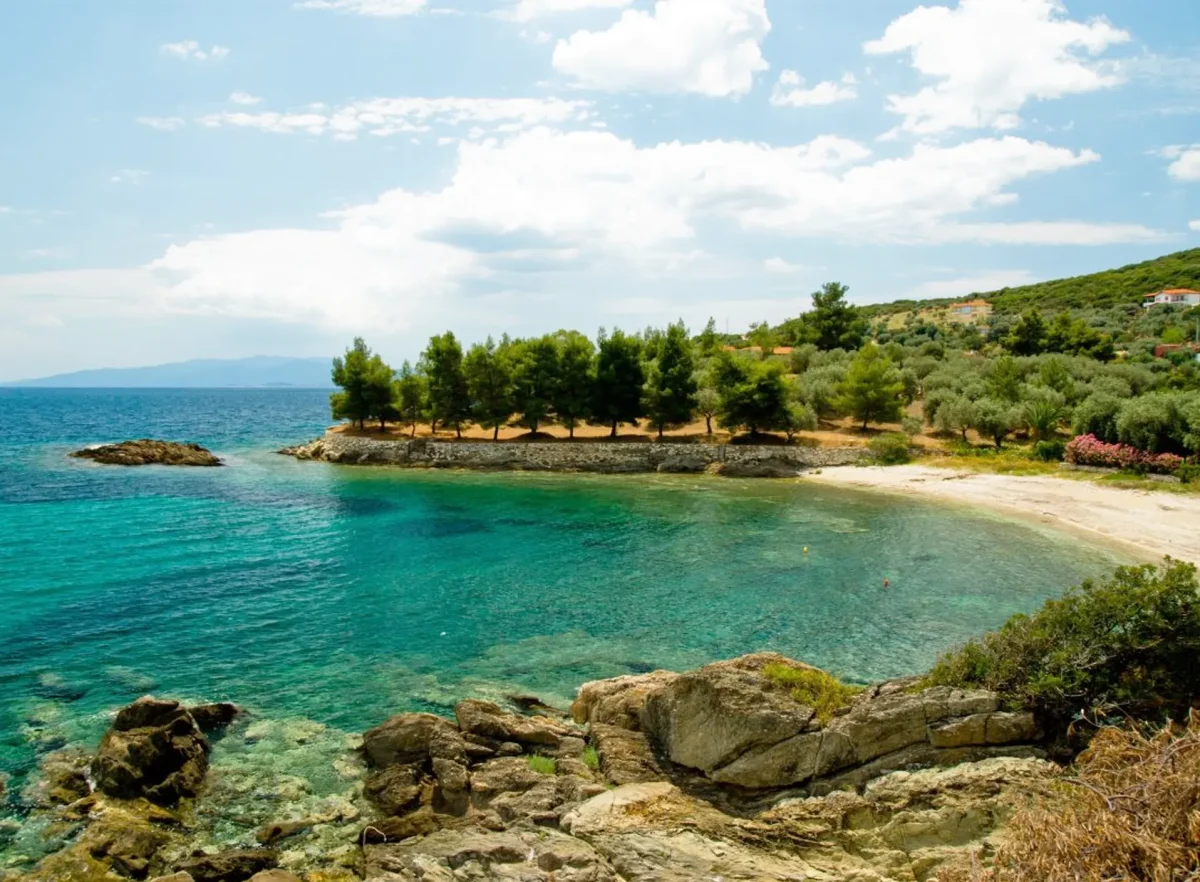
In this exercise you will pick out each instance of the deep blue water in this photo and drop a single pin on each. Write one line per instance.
(344, 595)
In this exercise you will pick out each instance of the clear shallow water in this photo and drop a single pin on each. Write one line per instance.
(339, 595)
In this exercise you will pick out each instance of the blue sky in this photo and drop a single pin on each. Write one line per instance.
(220, 178)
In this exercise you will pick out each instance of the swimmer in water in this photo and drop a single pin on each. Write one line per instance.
(887, 583)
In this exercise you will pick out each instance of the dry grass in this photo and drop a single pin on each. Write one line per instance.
(1129, 811)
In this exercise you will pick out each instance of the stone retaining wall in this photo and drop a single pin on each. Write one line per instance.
(580, 456)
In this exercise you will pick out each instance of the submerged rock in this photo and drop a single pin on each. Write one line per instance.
(149, 452)
(235, 865)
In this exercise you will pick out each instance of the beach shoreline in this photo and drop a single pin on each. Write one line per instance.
(1150, 525)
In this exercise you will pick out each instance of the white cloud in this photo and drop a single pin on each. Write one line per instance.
(790, 91)
(528, 10)
(780, 266)
(245, 99)
(991, 57)
(375, 8)
(129, 176)
(391, 116)
(162, 123)
(597, 200)
(190, 49)
(1186, 166)
(1194, 226)
(706, 47)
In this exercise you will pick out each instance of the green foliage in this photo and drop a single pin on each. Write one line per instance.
(996, 419)
(410, 396)
(708, 343)
(1097, 415)
(591, 758)
(831, 324)
(1050, 451)
(536, 368)
(1154, 423)
(812, 687)
(489, 385)
(1043, 412)
(872, 388)
(911, 425)
(1129, 643)
(442, 364)
(802, 357)
(671, 384)
(1004, 381)
(819, 389)
(543, 765)
(1028, 336)
(754, 395)
(620, 376)
(576, 377)
(891, 448)
(800, 418)
(956, 413)
(366, 383)
(708, 405)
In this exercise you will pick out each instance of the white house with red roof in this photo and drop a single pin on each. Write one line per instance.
(1173, 297)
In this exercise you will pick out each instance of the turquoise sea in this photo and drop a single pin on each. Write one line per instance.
(336, 596)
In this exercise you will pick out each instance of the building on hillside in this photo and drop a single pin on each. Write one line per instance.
(971, 308)
(1172, 297)
(1162, 350)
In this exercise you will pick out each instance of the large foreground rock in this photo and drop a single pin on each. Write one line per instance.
(149, 452)
(737, 726)
(154, 750)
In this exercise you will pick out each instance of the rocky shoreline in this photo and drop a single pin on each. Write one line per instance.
(730, 460)
(722, 772)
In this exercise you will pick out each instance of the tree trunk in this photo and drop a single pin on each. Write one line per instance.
(414, 430)
(572, 430)
(865, 424)
(660, 433)
(433, 427)
(964, 433)
(708, 423)
(613, 433)
(496, 432)
(458, 431)
(382, 424)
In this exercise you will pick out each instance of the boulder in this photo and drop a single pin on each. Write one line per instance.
(503, 775)
(280, 830)
(531, 704)
(774, 467)
(683, 465)
(127, 843)
(149, 452)
(398, 789)
(406, 738)
(708, 718)
(274, 876)
(491, 721)
(154, 749)
(421, 822)
(619, 701)
(235, 865)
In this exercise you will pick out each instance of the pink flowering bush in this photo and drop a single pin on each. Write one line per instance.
(1090, 451)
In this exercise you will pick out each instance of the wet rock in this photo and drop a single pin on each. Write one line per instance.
(235, 865)
(211, 717)
(763, 468)
(149, 452)
(128, 843)
(422, 822)
(154, 749)
(397, 789)
(619, 701)
(491, 721)
(531, 704)
(174, 877)
(405, 739)
(63, 779)
(274, 876)
(280, 830)
(71, 865)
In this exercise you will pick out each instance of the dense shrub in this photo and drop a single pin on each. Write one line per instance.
(1154, 422)
(890, 449)
(1049, 451)
(1091, 451)
(1128, 811)
(1126, 644)
(1097, 415)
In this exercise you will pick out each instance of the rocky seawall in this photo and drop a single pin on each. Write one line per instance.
(732, 460)
(718, 773)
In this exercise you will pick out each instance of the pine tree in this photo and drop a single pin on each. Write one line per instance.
(410, 396)
(489, 385)
(620, 376)
(671, 385)
(872, 390)
(576, 377)
(352, 373)
(535, 380)
(442, 364)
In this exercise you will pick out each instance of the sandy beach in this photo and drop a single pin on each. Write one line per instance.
(1149, 524)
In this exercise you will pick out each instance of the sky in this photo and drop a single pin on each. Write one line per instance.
(223, 178)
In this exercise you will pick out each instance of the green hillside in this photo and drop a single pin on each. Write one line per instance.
(1119, 287)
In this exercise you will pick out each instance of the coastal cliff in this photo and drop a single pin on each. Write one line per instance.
(733, 460)
(722, 772)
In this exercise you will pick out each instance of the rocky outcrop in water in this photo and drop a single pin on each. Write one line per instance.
(149, 452)
(719, 772)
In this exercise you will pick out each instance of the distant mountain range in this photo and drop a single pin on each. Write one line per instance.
(260, 371)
